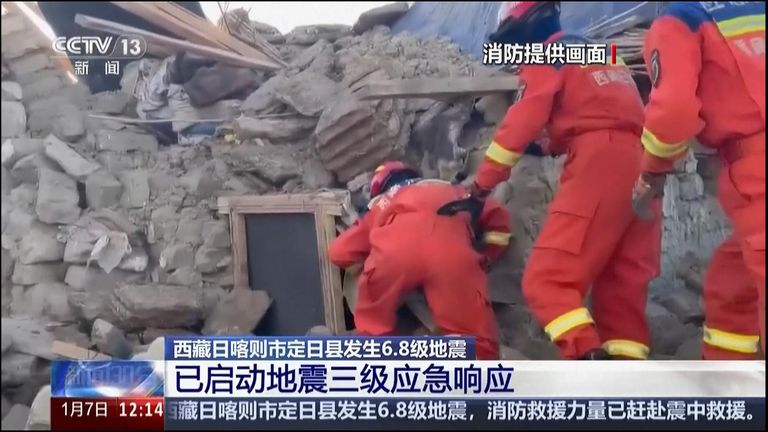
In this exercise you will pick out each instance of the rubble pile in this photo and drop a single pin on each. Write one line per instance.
(111, 241)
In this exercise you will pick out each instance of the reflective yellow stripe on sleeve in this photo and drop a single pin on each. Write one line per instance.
(498, 238)
(660, 148)
(731, 341)
(742, 25)
(568, 321)
(501, 155)
(626, 348)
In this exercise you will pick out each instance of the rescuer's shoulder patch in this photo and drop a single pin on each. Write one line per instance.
(655, 68)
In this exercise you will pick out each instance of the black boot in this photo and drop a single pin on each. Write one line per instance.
(596, 354)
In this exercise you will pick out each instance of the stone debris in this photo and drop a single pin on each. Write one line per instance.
(69, 124)
(209, 259)
(164, 306)
(238, 313)
(274, 129)
(91, 291)
(11, 90)
(17, 368)
(135, 188)
(27, 169)
(40, 245)
(57, 198)
(308, 35)
(216, 234)
(48, 299)
(125, 141)
(68, 159)
(13, 120)
(176, 256)
(40, 411)
(32, 274)
(14, 149)
(110, 340)
(102, 190)
(382, 15)
(16, 418)
(28, 336)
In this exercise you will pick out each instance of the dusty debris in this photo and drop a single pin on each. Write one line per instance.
(14, 119)
(39, 245)
(102, 189)
(238, 313)
(382, 15)
(71, 351)
(32, 274)
(110, 340)
(16, 418)
(125, 141)
(209, 259)
(27, 169)
(17, 368)
(14, 149)
(40, 411)
(308, 35)
(282, 128)
(135, 188)
(48, 299)
(176, 256)
(57, 198)
(91, 290)
(11, 91)
(28, 336)
(164, 306)
(68, 159)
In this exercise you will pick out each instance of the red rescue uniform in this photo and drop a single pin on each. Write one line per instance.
(591, 238)
(406, 245)
(707, 64)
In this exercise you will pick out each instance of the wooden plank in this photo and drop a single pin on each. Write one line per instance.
(213, 32)
(282, 203)
(239, 242)
(438, 87)
(332, 288)
(151, 13)
(71, 351)
(177, 44)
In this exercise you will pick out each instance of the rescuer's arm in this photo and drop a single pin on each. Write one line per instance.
(353, 245)
(521, 125)
(494, 222)
(673, 57)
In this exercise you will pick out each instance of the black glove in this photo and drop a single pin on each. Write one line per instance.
(534, 149)
(473, 204)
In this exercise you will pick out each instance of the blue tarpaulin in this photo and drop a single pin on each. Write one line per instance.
(469, 23)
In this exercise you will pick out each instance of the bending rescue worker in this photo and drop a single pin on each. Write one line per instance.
(405, 245)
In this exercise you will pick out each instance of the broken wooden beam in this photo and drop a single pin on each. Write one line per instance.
(71, 351)
(176, 44)
(438, 87)
(186, 25)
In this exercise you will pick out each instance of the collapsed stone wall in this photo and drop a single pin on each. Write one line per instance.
(111, 241)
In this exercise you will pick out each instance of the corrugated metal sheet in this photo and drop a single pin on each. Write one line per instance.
(469, 23)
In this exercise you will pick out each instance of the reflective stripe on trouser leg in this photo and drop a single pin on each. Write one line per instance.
(626, 348)
(741, 343)
(567, 322)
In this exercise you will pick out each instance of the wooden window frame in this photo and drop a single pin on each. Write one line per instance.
(325, 210)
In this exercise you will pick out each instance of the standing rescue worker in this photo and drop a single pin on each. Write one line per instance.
(591, 238)
(406, 245)
(706, 61)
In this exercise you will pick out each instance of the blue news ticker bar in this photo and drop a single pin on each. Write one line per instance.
(354, 348)
(469, 414)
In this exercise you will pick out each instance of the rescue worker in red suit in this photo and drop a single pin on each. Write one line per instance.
(591, 237)
(706, 61)
(405, 245)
